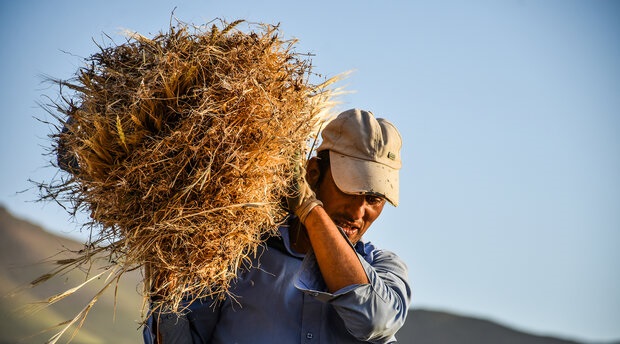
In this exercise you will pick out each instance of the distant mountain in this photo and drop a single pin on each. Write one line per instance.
(24, 250)
(24, 247)
(433, 327)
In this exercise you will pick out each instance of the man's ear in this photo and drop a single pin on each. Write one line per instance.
(313, 173)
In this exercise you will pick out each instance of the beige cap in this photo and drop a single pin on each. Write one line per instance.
(364, 154)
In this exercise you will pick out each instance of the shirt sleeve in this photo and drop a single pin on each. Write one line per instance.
(371, 312)
(164, 328)
(194, 325)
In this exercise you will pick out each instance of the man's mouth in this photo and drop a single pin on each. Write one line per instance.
(350, 231)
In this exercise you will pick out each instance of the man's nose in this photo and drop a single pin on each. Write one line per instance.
(356, 206)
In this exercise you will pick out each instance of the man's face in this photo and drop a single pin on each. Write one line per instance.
(354, 213)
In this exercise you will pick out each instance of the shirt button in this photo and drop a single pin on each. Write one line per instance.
(309, 335)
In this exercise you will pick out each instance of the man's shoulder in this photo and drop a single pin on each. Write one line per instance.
(373, 254)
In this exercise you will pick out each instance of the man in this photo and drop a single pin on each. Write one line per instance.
(317, 282)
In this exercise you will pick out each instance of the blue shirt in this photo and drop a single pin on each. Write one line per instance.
(283, 299)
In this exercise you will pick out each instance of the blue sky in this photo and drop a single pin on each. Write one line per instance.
(510, 113)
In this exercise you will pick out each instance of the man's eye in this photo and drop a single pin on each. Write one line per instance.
(374, 200)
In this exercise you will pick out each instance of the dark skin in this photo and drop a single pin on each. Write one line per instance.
(337, 261)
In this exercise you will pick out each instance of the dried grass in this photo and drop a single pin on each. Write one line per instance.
(186, 145)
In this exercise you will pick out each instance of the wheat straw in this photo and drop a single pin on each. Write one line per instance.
(181, 148)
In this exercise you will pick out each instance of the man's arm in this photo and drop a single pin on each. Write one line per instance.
(371, 312)
(337, 260)
(376, 311)
(371, 299)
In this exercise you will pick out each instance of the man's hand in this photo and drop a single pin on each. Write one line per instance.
(301, 199)
(306, 202)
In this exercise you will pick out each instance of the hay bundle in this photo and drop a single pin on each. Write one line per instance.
(181, 147)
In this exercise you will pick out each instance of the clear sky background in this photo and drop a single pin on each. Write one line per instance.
(510, 113)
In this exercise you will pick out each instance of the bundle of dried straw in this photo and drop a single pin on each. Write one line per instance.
(181, 148)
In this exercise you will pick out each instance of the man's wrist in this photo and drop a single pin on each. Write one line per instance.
(306, 207)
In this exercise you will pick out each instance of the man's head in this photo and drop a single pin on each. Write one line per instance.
(364, 159)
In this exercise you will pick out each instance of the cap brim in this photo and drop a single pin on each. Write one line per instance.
(358, 176)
